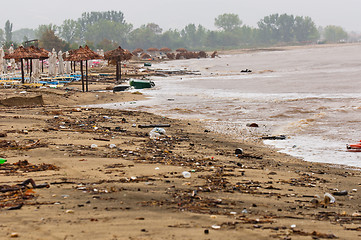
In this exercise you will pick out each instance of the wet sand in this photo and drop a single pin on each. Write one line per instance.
(114, 182)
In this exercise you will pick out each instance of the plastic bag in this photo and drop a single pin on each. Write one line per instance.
(155, 133)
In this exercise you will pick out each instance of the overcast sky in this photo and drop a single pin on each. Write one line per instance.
(176, 14)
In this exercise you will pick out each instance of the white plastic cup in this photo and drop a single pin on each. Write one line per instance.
(186, 174)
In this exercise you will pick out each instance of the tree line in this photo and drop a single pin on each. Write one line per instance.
(107, 30)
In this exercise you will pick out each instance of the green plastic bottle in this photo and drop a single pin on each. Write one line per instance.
(3, 160)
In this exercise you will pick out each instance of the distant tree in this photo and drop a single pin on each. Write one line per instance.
(285, 24)
(154, 28)
(49, 40)
(201, 36)
(69, 30)
(247, 36)
(143, 37)
(19, 35)
(228, 21)
(305, 29)
(90, 44)
(106, 29)
(107, 45)
(170, 38)
(88, 19)
(334, 33)
(2, 39)
(25, 39)
(213, 39)
(189, 35)
(268, 29)
(286, 28)
(8, 31)
(45, 28)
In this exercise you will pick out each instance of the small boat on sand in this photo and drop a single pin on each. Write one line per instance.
(354, 147)
(140, 84)
(120, 88)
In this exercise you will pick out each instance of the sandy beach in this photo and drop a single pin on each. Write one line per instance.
(107, 179)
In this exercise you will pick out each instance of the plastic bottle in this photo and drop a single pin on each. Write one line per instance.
(2, 160)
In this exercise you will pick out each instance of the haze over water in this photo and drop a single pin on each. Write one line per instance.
(311, 95)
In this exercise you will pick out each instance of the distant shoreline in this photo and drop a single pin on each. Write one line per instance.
(283, 48)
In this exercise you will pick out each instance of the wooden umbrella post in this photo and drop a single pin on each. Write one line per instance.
(22, 71)
(86, 75)
(120, 70)
(31, 67)
(82, 75)
(116, 71)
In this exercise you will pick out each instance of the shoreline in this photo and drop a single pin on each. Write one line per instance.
(136, 190)
(284, 48)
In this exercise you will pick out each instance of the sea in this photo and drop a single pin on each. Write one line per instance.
(312, 95)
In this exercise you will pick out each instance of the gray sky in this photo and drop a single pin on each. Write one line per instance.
(176, 14)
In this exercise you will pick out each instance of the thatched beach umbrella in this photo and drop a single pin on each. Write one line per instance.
(21, 53)
(137, 51)
(41, 53)
(80, 55)
(181, 50)
(118, 55)
(152, 51)
(145, 56)
(165, 49)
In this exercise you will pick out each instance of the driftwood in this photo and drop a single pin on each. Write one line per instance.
(153, 125)
(23, 185)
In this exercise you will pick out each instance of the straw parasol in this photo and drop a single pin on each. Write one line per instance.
(21, 53)
(145, 56)
(137, 51)
(165, 49)
(80, 55)
(41, 53)
(152, 49)
(118, 55)
(181, 50)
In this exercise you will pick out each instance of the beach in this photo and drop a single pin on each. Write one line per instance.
(108, 179)
(310, 94)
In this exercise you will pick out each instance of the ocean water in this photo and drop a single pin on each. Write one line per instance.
(311, 95)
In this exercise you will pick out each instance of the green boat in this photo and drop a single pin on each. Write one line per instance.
(140, 84)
